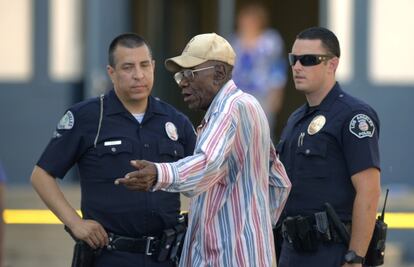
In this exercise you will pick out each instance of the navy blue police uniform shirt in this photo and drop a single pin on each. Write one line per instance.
(165, 135)
(322, 147)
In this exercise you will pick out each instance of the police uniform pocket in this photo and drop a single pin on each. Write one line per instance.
(312, 161)
(114, 147)
(170, 151)
(313, 150)
(109, 160)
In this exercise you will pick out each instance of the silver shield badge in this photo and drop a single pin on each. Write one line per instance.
(316, 124)
(171, 131)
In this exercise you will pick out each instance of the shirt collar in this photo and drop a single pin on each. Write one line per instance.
(114, 105)
(230, 86)
(330, 98)
(325, 105)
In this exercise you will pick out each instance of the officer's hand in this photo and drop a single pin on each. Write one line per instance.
(91, 232)
(143, 179)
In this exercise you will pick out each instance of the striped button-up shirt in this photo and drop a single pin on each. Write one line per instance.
(237, 184)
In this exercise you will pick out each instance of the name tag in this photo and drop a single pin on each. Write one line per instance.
(113, 143)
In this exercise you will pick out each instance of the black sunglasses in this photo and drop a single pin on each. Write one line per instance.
(308, 60)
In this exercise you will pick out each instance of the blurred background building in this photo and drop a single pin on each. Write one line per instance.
(53, 53)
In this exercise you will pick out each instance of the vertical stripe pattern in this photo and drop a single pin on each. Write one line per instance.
(237, 184)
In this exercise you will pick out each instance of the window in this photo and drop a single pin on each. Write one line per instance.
(340, 20)
(391, 42)
(65, 58)
(16, 40)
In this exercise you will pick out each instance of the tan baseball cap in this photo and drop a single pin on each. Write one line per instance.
(201, 48)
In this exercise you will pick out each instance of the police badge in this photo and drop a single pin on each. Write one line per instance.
(171, 131)
(316, 124)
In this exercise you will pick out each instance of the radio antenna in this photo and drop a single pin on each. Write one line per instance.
(381, 217)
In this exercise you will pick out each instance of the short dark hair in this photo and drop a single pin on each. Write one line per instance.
(328, 38)
(129, 40)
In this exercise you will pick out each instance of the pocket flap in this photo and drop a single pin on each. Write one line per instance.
(114, 147)
(174, 149)
(313, 149)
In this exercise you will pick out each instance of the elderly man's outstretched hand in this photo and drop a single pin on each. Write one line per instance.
(141, 180)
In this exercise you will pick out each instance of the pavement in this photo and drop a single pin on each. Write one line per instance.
(32, 244)
(49, 245)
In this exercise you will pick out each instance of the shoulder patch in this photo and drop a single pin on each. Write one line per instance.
(66, 122)
(361, 126)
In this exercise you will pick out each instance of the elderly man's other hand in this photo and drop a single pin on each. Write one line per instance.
(141, 180)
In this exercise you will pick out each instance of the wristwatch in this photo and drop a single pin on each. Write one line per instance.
(352, 257)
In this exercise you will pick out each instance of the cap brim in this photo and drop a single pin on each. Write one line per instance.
(174, 64)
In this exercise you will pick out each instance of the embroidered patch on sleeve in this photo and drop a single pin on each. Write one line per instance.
(67, 122)
(361, 126)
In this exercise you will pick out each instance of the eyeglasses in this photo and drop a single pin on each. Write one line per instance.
(308, 60)
(188, 74)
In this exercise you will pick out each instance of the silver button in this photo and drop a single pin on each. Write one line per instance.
(113, 149)
(341, 95)
(307, 151)
(175, 152)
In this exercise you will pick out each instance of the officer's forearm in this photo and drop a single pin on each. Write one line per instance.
(363, 221)
(49, 191)
(364, 210)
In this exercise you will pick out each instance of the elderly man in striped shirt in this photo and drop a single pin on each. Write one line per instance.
(237, 184)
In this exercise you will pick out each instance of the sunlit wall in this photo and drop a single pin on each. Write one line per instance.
(390, 39)
(16, 40)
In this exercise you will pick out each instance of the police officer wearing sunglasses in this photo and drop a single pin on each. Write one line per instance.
(329, 147)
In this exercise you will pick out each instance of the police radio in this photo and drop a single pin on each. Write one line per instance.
(376, 249)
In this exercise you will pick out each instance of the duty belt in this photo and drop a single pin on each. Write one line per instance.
(166, 247)
(145, 244)
(161, 248)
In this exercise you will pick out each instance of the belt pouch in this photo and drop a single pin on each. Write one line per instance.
(180, 230)
(83, 255)
(306, 234)
(290, 232)
(167, 240)
(322, 226)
